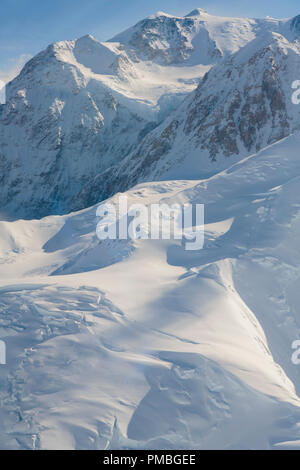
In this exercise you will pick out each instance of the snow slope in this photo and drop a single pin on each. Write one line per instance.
(122, 344)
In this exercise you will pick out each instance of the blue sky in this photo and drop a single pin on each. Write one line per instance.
(28, 26)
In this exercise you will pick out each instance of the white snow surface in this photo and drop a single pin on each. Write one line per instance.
(141, 344)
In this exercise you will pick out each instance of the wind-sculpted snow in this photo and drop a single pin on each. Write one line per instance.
(141, 344)
(43, 325)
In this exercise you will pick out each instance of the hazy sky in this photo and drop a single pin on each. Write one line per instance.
(28, 26)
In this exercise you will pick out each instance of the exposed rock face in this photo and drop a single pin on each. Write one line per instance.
(195, 38)
(250, 110)
(168, 40)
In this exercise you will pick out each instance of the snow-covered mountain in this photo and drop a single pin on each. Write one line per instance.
(81, 106)
(141, 344)
(242, 105)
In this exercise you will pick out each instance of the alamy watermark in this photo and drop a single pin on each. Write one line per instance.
(2, 353)
(296, 354)
(2, 92)
(152, 222)
(296, 94)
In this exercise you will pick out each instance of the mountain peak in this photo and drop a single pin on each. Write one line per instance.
(161, 13)
(87, 38)
(197, 12)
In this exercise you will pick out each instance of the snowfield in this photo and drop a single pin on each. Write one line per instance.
(122, 344)
(142, 344)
